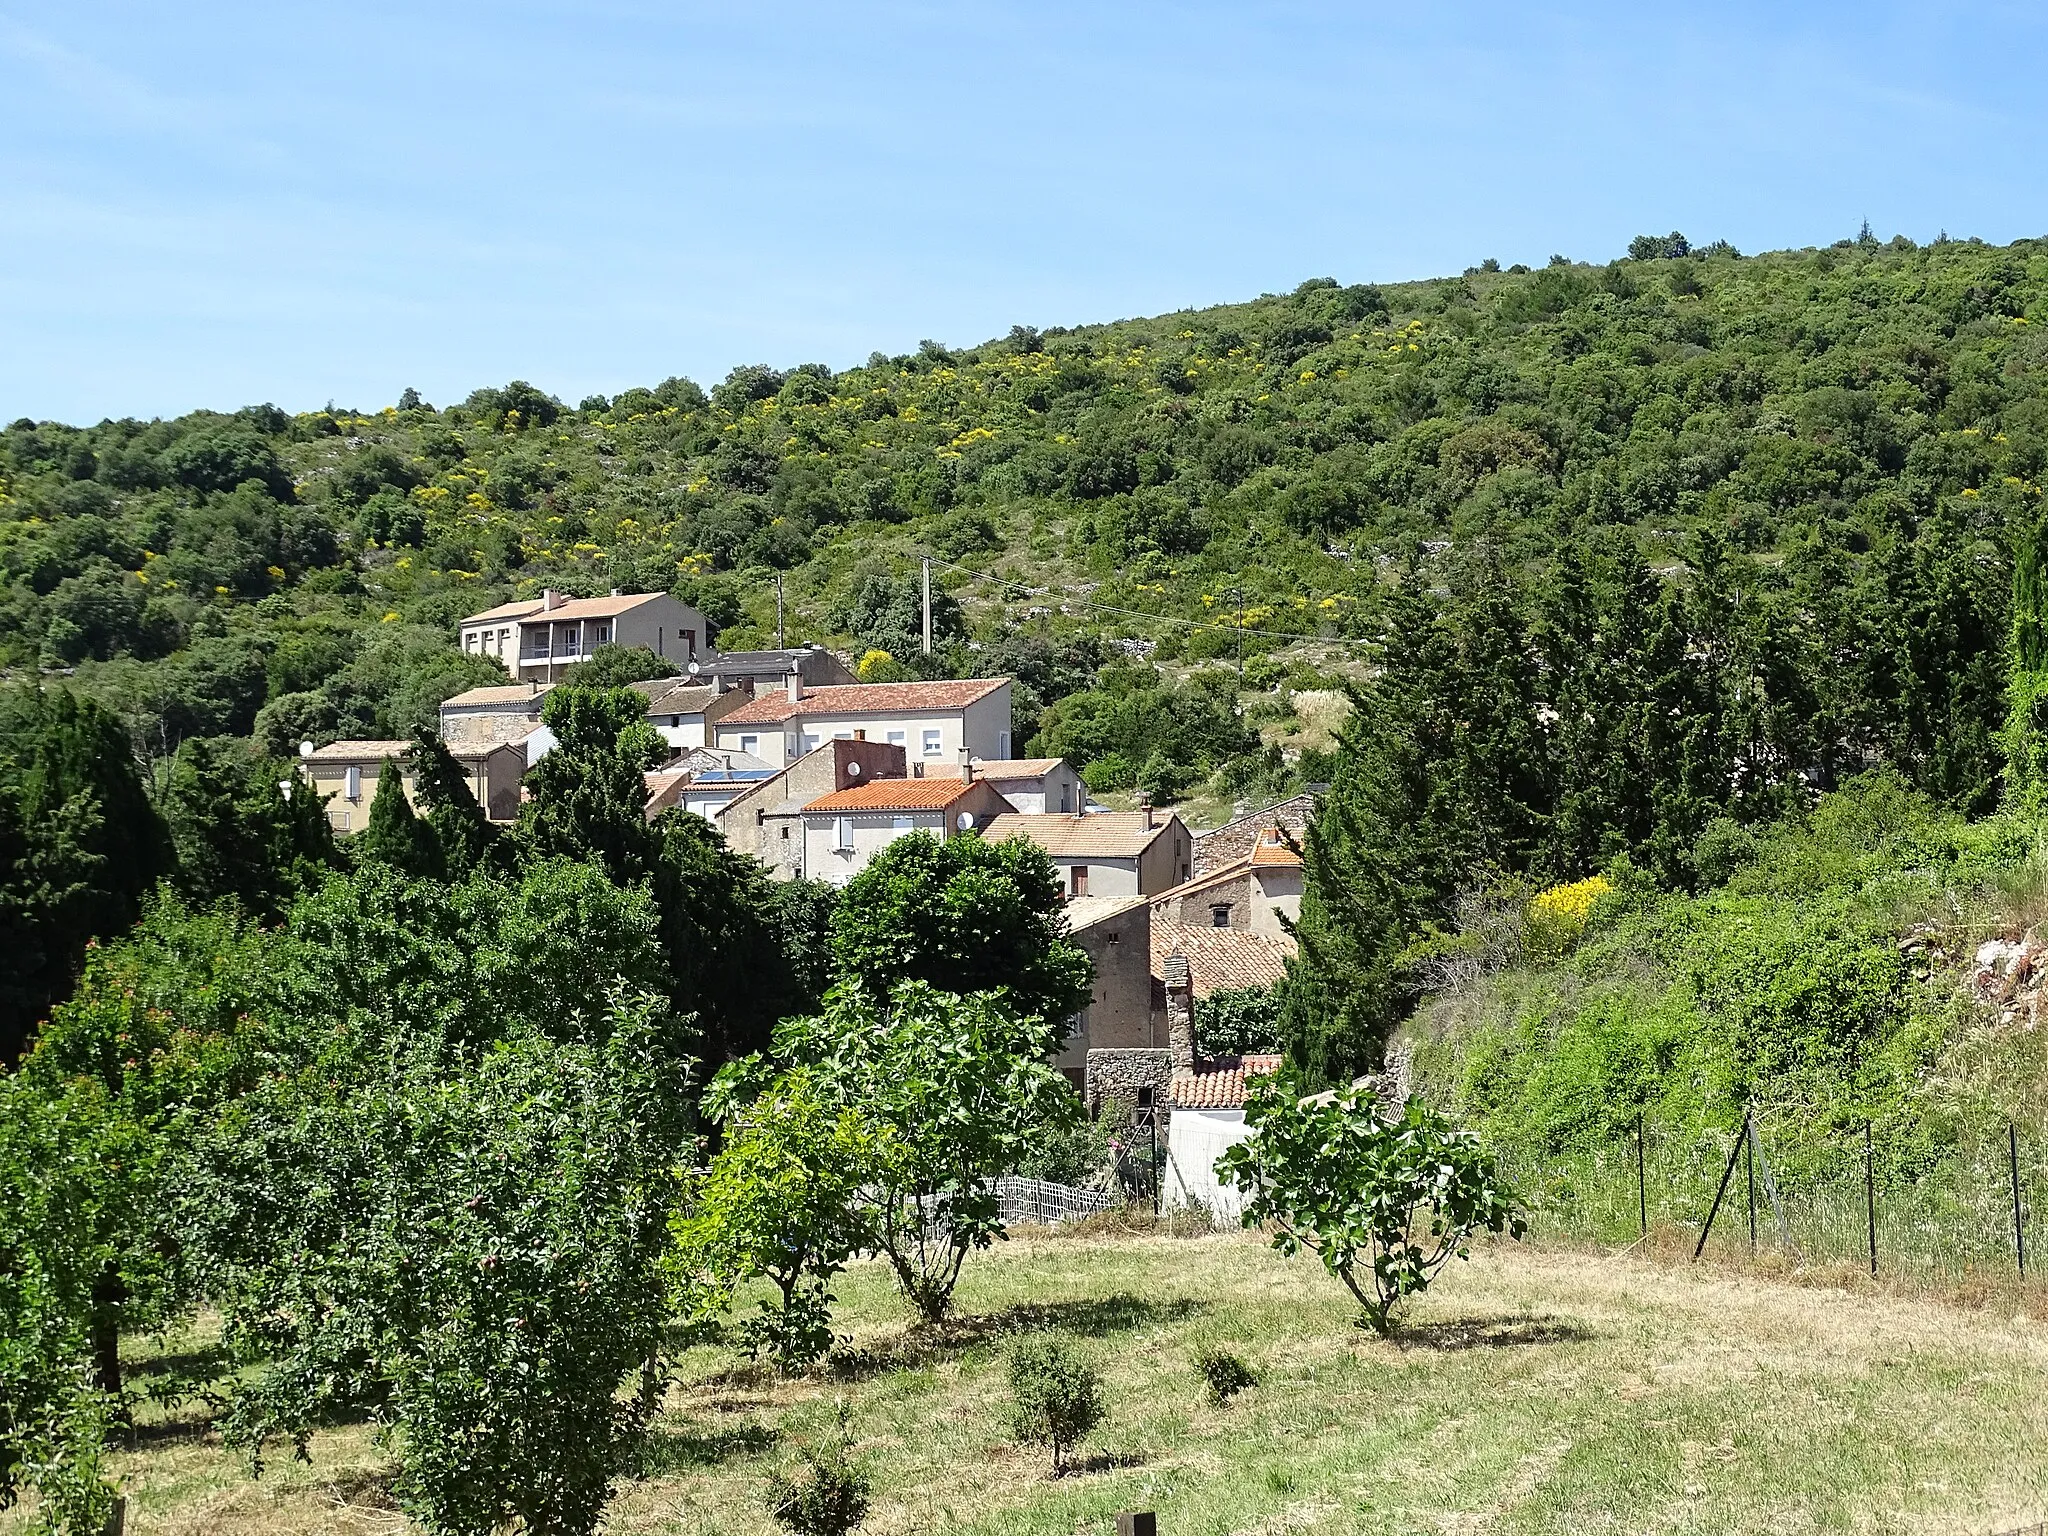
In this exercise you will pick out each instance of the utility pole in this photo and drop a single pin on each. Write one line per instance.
(927, 605)
(779, 645)
(1237, 596)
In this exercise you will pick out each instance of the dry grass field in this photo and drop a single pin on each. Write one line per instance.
(1537, 1391)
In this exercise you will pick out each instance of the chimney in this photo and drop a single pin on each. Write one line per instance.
(550, 599)
(966, 767)
(1180, 1011)
(1145, 805)
(616, 591)
(796, 686)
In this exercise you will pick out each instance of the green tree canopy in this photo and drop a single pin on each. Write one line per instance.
(965, 915)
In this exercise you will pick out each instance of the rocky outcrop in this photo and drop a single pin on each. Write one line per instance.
(2003, 973)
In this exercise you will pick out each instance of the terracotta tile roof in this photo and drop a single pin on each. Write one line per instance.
(1104, 834)
(1219, 1083)
(1274, 855)
(514, 610)
(361, 751)
(1220, 959)
(589, 607)
(773, 706)
(512, 693)
(893, 795)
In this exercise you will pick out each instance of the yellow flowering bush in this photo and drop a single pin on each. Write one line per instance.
(1558, 917)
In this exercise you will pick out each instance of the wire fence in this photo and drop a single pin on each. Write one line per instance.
(1040, 1202)
(1819, 1199)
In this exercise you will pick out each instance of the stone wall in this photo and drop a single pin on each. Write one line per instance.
(1120, 1074)
(1235, 840)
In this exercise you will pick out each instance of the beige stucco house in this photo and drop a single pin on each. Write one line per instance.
(1037, 786)
(766, 819)
(538, 639)
(345, 774)
(509, 715)
(932, 722)
(844, 830)
(1109, 853)
(685, 709)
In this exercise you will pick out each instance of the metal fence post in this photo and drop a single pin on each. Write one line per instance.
(2019, 1231)
(1642, 1186)
(1870, 1196)
(1749, 1174)
(1734, 1153)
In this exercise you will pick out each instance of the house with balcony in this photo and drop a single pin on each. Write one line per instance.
(345, 775)
(932, 722)
(844, 830)
(539, 639)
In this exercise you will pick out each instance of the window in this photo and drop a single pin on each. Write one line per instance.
(604, 634)
(842, 735)
(902, 823)
(931, 741)
(353, 784)
(1113, 937)
(689, 638)
(1003, 745)
(1067, 804)
(842, 834)
(897, 738)
(751, 745)
(785, 831)
(1219, 915)
(1077, 880)
(810, 741)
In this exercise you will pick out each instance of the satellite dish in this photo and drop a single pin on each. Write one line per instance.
(694, 668)
(853, 770)
(967, 821)
(305, 749)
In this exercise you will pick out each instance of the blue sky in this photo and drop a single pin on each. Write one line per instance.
(217, 204)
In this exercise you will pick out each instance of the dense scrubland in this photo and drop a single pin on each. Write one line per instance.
(1670, 634)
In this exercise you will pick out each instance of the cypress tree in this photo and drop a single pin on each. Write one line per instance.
(80, 846)
(394, 835)
(238, 836)
(467, 839)
(2026, 717)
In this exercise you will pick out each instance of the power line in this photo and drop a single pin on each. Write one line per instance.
(1139, 613)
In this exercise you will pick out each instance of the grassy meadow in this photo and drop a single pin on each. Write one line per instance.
(1535, 1390)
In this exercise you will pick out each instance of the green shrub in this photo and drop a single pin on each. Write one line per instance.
(825, 1494)
(1237, 1020)
(1225, 1374)
(1058, 1397)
